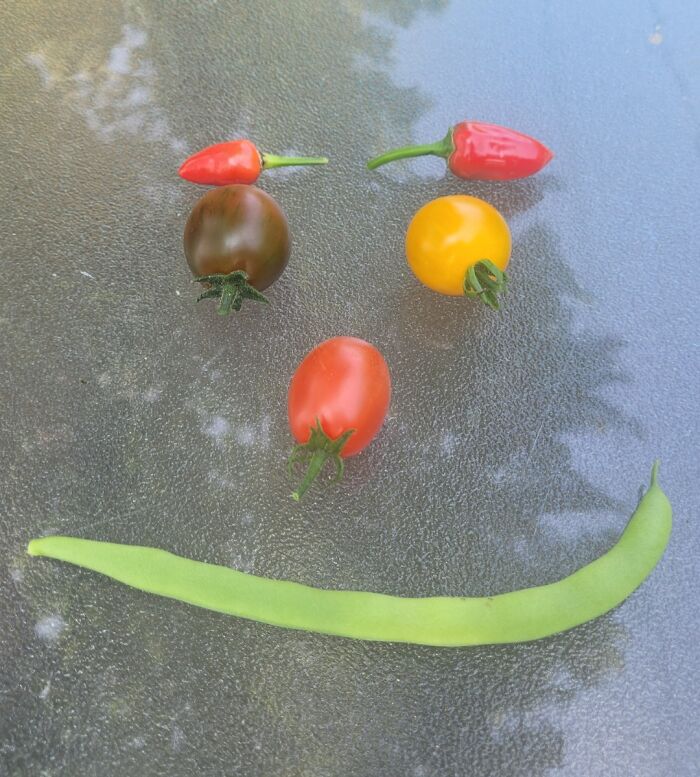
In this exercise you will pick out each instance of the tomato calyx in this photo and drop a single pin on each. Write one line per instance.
(231, 289)
(485, 281)
(314, 454)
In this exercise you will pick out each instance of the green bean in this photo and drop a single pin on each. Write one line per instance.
(518, 616)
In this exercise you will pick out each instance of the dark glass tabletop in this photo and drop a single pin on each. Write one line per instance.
(516, 443)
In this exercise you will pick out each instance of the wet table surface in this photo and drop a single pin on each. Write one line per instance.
(516, 444)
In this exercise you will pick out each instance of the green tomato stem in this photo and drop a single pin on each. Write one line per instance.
(231, 290)
(485, 281)
(318, 460)
(231, 299)
(319, 449)
(271, 160)
(443, 148)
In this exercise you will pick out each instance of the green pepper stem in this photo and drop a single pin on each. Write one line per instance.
(271, 160)
(485, 281)
(443, 148)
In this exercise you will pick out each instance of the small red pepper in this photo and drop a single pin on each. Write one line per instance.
(477, 150)
(236, 161)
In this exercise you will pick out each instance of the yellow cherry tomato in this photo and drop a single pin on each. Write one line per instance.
(460, 245)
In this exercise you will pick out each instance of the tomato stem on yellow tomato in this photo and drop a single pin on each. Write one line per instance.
(485, 281)
(315, 453)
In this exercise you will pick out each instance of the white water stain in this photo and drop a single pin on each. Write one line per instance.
(245, 434)
(37, 61)
(218, 479)
(243, 563)
(448, 443)
(16, 575)
(43, 694)
(254, 434)
(152, 394)
(49, 628)
(119, 61)
(177, 738)
(217, 428)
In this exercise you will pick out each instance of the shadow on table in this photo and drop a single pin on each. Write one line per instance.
(493, 422)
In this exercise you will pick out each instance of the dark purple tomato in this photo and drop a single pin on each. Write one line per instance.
(237, 243)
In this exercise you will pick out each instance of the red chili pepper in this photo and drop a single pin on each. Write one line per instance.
(236, 161)
(477, 150)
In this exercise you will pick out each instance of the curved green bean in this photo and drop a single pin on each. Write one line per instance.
(518, 616)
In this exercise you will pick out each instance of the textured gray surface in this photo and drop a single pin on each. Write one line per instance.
(516, 444)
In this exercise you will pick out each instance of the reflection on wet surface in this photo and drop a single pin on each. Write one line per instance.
(116, 97)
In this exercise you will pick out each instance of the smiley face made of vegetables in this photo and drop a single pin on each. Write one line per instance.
(460, 245)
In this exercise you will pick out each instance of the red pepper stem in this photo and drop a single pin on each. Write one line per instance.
(270, 160)
(443, 148)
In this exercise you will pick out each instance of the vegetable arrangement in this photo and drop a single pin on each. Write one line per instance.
(237, 243)
(472, 149)
(443, 621)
